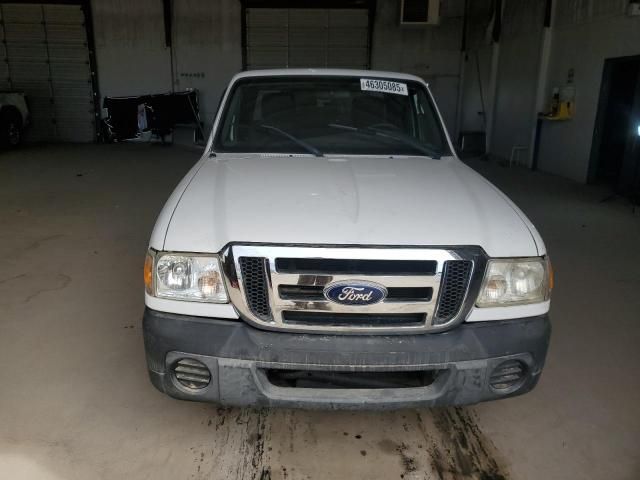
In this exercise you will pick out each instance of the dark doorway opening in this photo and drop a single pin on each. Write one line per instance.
(615, 153)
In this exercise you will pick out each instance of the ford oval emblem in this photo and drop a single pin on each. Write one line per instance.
(355, 292)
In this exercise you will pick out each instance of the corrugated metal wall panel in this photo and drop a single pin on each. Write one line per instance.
(27, 58)
(70, 72)
(18, 13)
(5, 81)
(348, 38)
(307, 37)
(570, 12)
(64, 15)
(47, 57)
(267, 37)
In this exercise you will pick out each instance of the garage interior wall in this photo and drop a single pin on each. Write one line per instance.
(431, 52)
(207, 49)
(133, 58)
(131, 54)
(45, 54)
(583, 34)
(307, 38)
(582, 39)
(521, 38)
(476, 93)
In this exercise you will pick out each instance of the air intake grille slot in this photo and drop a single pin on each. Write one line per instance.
(508, 375)
(352, 319)
(455, 282)
(191, 373)
(335, 266)
(350, 380)
(253, 270)
(394, 294)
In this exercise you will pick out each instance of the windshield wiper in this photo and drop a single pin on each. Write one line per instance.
(309, 148)
(429, 152)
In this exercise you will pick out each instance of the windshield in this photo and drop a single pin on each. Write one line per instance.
(330, 115)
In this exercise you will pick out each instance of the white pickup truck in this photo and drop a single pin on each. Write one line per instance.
(329, 250)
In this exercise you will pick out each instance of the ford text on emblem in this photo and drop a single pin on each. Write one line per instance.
(355, 292)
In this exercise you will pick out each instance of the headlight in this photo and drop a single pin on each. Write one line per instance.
(515, 282)
(191, 277)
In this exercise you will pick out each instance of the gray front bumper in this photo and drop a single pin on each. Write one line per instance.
(237, 355)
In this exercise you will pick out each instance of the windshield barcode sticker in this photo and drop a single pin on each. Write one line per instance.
(385, 86)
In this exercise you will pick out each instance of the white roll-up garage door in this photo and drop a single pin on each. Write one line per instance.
(45, 54)
(306, 37)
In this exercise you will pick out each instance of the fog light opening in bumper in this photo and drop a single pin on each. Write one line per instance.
(191, 374)
(508, 376)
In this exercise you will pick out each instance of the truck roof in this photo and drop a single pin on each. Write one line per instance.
(338, 72)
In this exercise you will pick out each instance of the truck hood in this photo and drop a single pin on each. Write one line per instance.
(342, 201)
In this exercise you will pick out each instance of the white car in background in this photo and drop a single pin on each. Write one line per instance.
(14, 117)
(329, 250)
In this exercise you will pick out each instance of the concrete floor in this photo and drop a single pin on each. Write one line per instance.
(75, 402)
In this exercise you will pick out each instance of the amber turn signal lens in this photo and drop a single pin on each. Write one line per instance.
(551, 275)
(148, 274)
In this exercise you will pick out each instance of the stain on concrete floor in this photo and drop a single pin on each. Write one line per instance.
(263, 444)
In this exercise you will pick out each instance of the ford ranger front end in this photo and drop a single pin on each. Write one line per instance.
(330, 251)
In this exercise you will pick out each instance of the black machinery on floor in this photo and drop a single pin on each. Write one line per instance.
(154, 115)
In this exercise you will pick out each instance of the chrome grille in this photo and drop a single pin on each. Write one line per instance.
(281, 287)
